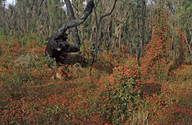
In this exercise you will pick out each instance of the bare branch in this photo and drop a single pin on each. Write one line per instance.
(76, 22)
(109, 13)
(41, 3)
(98, 24)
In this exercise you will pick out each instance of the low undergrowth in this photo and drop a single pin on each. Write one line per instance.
(28, 95)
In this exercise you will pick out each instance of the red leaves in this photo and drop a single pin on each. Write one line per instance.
(29, 96)
(157, 49)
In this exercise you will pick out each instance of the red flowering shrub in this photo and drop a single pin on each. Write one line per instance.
(155, 62)
(121, 97)
(28, 95)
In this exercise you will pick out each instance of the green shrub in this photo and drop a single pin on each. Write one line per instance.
(121, 97)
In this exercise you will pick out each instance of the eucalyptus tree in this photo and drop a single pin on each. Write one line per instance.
(180, 18)
(74, 30)
(185, 21)
(10, 16)
(135, 28)
(2, 9)
(3, 31)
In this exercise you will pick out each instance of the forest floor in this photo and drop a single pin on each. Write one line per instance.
(30, 95)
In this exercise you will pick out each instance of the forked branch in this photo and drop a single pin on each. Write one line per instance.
(78, 21)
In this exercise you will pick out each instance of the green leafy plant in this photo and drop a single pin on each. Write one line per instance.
(121, 96)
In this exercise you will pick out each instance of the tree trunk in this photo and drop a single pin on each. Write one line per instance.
(98, 24)
(57, 42)
(142, 34)
(74, 30)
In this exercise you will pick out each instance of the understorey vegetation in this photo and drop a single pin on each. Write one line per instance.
(29, 95)
(115, 89)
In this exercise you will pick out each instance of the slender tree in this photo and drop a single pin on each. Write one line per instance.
(74, 30)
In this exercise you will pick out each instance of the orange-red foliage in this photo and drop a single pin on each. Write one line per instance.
(155, 60)
(28, 95)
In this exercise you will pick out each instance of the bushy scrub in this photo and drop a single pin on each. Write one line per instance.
(121, 97)
(156, 52)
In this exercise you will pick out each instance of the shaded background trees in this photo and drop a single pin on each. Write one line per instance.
(130, 24)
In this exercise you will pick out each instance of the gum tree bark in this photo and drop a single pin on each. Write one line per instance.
(142, 33)
(74, 30)
(98, 24)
